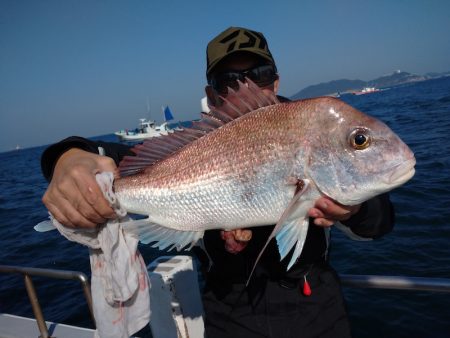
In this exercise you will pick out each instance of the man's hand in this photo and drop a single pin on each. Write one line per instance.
(73, 195)
(327, 212)
(236, 240)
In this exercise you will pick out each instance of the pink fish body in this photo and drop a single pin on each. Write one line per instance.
(267, 166)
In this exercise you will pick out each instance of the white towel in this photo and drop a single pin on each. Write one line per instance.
(120, 283)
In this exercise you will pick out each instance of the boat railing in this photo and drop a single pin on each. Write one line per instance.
(358, 281)
(28, 272)
(396, 282)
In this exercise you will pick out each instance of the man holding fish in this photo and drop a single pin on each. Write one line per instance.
(299, 296)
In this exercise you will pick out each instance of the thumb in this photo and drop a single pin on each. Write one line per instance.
(106, 164)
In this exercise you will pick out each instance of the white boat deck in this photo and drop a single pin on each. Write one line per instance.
(21, 327)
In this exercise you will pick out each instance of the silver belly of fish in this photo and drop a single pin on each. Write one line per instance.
(218, 203)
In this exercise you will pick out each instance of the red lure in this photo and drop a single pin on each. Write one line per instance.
(306, 288)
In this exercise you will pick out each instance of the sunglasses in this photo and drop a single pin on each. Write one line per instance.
(261, 75)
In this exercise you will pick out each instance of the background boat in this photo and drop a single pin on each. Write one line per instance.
(147, 128)
(367, 90)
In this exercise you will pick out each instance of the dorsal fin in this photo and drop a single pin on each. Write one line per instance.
(247, 98)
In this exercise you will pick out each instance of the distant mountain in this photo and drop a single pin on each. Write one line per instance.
(329, 88)
(344, 86)
(396, 78)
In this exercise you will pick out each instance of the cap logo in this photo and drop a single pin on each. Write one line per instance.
(254, 40)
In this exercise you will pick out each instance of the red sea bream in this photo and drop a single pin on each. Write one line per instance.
(264, 163)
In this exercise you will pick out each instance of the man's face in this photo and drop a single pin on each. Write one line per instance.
(237, 62)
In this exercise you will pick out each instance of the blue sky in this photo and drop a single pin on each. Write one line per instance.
(78, 67)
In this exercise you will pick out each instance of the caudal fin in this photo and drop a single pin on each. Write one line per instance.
(44, 226)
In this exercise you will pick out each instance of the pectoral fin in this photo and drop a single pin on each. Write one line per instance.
(291, 225)
(293, 233)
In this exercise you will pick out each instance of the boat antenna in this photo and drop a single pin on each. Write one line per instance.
(148, 109)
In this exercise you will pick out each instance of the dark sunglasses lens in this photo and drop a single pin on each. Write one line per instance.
(263, 75)
(221, 82)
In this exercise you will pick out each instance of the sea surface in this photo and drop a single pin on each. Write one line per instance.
(418, 246)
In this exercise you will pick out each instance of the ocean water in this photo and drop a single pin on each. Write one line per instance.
(418, 246)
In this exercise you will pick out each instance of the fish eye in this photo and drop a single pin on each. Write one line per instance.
(359, 139)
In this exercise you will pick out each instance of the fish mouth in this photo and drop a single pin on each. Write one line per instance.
(402, 172)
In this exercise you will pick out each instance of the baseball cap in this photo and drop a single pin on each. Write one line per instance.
(236, 39)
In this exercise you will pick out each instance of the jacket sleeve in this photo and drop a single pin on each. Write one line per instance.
(51, 155)
(375, 218)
